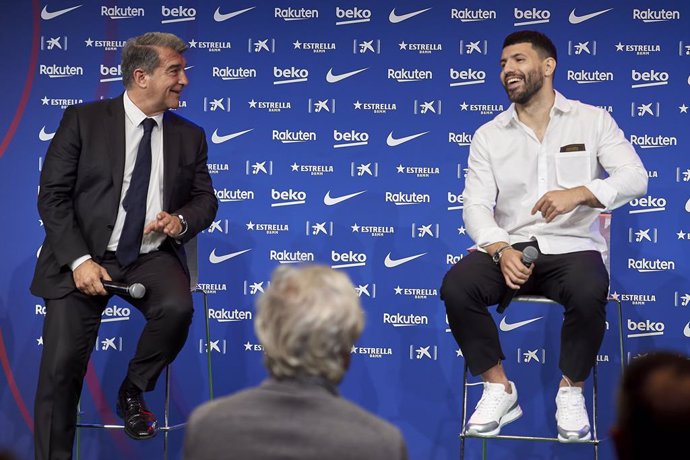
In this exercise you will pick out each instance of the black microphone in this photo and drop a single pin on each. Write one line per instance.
(135, 291)
(529, 255)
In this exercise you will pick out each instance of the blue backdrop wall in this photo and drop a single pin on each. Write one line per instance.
(338, 133)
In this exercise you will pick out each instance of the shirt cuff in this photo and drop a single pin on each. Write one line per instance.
(73, 266)
(603, 192)
(491, 236)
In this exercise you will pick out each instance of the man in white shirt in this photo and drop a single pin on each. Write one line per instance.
(536, 179)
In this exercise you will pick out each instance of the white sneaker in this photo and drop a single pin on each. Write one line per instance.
(495, 409)
(571, 415)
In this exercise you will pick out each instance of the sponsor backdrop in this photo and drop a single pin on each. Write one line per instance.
(338, 133)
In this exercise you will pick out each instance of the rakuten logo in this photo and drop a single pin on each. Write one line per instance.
(645, 328)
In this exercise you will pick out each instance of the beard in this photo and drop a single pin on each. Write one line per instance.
(533, 82)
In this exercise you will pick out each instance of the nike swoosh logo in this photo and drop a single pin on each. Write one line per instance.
(44, 136)
(686, 330)
(687, 206)
(330, 201)
(393, 142)
(220, 17)
(575, 19)
(216, 139)
(505, 327)
(394, 18)
(48, 15)
(330, 78)
(392, 263)
(214, 259)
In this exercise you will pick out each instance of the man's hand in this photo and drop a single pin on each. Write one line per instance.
(514, 271)
(88, 276)
(557, 202)
(164, 223)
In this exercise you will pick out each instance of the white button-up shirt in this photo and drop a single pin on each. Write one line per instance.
(509, 170)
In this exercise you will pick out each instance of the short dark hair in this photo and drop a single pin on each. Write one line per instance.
(540, 42)
(139, 52)
(654, 405)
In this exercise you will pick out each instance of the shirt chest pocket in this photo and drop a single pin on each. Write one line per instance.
(573, 169)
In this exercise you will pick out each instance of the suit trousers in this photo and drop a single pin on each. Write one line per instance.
(577, 280)
(69, 333)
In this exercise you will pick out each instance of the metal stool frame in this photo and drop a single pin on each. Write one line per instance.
(594, 442)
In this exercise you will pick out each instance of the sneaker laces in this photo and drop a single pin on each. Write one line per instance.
(489, 401)
(571, 404)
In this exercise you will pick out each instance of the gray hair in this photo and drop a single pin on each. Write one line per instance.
(308, 319)
(139, 53)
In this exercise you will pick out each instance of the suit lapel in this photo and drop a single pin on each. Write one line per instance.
(114, 127)
(171, 155)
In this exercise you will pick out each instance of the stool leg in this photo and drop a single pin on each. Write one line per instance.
(464, 412)
(166, 412)
(208, 347)
(595, 385)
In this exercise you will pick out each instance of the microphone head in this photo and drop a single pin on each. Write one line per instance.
(136, 291)
(529, 254)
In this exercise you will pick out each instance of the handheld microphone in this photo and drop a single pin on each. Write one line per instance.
(135, 291)
(529, 255)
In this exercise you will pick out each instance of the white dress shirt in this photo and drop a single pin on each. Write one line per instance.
(509, 170)
(134, 131)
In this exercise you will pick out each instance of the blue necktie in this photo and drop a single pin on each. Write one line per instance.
(135, 200)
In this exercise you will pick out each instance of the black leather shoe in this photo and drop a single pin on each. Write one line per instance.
(140, 423)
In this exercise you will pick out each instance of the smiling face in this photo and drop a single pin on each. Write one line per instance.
(165, 83)
(524, 71)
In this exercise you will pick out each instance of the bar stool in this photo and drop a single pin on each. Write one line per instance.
(165, 428)
(604, 225)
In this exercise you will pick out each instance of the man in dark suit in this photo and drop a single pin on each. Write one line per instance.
(124, 185)
(307, 320)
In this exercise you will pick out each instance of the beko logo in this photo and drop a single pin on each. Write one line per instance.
(351, 16)
(350, 138)
(290, 75)
(649, 78)
(467, 77)
(110, 73)
(177, 14)
(529, 17)
(647, 204)
(455, 201)
(288, 197)
(646, 328)
(348, 259)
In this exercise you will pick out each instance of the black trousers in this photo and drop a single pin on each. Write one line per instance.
(578, 281)
(69, 334)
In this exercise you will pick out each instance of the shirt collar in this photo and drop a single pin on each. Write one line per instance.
(560, 104)
(134, 113)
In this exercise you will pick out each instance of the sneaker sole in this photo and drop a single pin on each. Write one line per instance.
(573, 440)
(511, 416)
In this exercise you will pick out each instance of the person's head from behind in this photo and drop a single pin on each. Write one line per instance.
(528, 62)
(653, 407)
(153, 70)
(307, 320)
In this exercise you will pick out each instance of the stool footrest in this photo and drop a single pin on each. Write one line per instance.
(527, 438)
